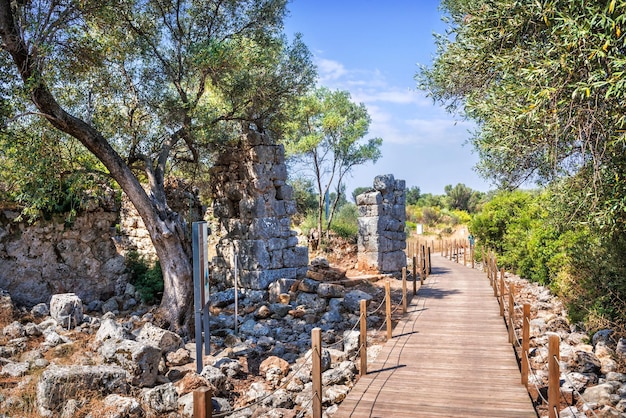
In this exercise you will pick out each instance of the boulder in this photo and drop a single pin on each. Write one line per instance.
(165, 340)
(111, 330)
(600, 394)
(216, 378)
(118, 406)
(59, 383)
(352, 300)
(66, 309)
(274, 362)
(162, 398)
(141, 361)
(40, 310)
(330, 290)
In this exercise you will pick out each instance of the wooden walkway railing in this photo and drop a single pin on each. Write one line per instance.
(450, 356)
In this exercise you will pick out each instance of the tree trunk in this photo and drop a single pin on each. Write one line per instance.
(165, 231)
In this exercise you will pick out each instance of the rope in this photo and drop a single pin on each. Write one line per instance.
(259, 401)
(579, 394)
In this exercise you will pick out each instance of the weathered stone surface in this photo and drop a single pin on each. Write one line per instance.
(111, 330)
(141, 361)
(330, 290)
(59, 383)
(162, 398)
(253, 204)
(118, 406)
(382, 216)
(66, 309)
(165, 340)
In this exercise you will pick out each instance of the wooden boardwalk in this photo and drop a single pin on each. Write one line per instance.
(449, 356)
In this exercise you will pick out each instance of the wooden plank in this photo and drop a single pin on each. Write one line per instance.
(449, 356)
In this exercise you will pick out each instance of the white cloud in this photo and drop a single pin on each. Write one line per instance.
(329, 69)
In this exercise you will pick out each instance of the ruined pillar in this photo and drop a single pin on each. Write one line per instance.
(382, 216)
(254, 206)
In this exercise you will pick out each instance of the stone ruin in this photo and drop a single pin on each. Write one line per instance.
(382, 216)
(254, 206)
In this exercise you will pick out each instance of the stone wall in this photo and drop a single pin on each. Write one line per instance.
(86, 257)
(382, 216)
(47, 257)
(254, 206)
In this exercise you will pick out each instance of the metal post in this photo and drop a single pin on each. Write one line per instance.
(236, 293)
(199, 249)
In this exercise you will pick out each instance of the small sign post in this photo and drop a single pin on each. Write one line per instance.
(201, 294)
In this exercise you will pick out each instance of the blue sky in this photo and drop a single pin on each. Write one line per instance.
(372, 49)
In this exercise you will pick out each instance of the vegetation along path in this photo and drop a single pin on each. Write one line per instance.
(449, 356)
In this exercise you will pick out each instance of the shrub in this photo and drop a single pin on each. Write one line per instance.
(147, 279)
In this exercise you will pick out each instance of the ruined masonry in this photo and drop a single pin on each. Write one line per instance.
(382, 216)
(254, 205)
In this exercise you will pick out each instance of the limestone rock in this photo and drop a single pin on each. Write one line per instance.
(66, 309)
(141, 361)
(59, 383)
(162, 398)
(165, 340)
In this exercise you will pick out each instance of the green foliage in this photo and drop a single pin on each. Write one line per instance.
(147, 279)
(357, 191)
(346, 222)
(461, 197)
(304, 195)
(326, 135)
(413, 194)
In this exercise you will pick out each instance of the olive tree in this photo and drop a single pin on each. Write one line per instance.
(150, 88)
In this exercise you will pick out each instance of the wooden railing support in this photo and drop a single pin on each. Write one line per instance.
(511, 313)
(414, 275)
(501, 296)
(363, 338)
(388, 308)
(316, 371)
(202, 403)
(404, 298)
(554, 375)
(525, 343)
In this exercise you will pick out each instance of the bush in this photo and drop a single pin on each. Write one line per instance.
(147, 279)
(346, 223)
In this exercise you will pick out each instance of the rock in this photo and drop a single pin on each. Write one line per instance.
(111, 330)
(53, 338)
(571, 412)
(14, 330)
(311, 302)
(604, 336)
(308, 285)
(66, 309)
(120, 407)
(620, 350)
(223, 298)
(585, 362)
(6, 305)
(256, 391)
(111, 305)
(335, 394)
(141, 361)
(263, 312)
(216, 378)
(165, 340)
(282, 399)
(161, 399)
(178, 357)
(14, 369)
(600, 394)
(40, 310)
(352, 300)
(320, 262)
(343, 373)
(330, 290)
(279, 287)
(229, 367)
(274, 362)
(190, 382)
(59, 383)
(351, 342)
(251, 327)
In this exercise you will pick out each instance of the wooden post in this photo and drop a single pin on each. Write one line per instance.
(501, 296)
(363, 338)
(482, 254)
(511, 314)
(472, 255)
(316, 371)
(525, 343)
(404, 298)
(202, 403)
(464, 255)
(414, 275)
(554, 375)
(388, 306)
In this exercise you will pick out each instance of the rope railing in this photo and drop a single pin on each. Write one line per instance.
(503, 288)
(202, 396)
